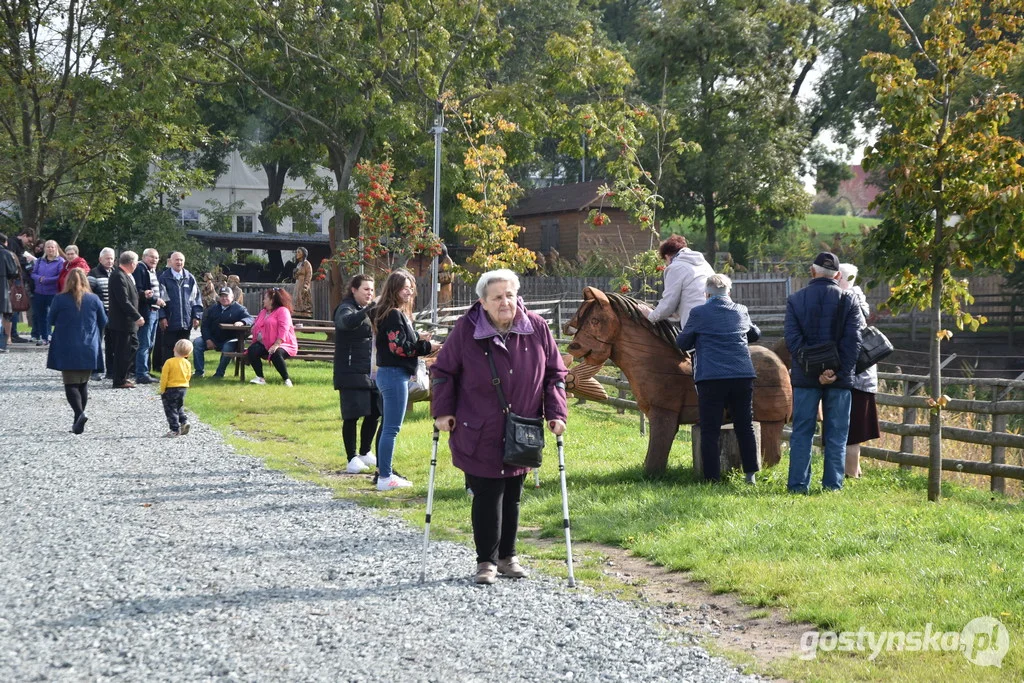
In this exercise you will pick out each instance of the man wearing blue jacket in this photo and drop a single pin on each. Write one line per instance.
(184, 303)
(820, 313)
(720, 332)
(215, 338)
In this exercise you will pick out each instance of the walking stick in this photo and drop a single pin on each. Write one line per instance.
(565, 509)
(430, 505)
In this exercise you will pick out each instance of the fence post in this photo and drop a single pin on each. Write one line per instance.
(558, 319)
(999, 423)
(1013, 317)
(622, 395)
(643, 425)
(909, 418)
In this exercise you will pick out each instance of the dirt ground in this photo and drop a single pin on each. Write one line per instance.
(760, 633)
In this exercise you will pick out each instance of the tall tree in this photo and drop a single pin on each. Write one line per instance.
(732, 72)
(77, 115)
(954, 199)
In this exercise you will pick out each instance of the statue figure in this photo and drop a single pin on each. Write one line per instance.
(234, 282)
(303, 275)
(609, 325)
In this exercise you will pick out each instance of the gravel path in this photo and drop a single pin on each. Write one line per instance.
(128, 556)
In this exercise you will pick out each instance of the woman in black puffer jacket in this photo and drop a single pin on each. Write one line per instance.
(353, 349)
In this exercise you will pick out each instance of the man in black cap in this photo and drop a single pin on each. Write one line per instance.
(819, 315)
(215, 338)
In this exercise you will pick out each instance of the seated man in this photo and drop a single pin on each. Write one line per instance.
(215, 338)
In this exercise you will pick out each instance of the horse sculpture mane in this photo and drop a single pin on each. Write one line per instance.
(636, 311)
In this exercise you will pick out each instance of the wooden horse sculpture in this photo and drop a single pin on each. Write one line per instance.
(609, 325)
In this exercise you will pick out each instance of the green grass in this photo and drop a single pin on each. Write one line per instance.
(830, 225)
(877, 555)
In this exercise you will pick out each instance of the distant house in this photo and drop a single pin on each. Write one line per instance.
(858, 193)
(556, 218)
(242, 188)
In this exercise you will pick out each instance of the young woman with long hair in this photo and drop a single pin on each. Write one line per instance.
(398, 345)
(78, 319)
(273, 335)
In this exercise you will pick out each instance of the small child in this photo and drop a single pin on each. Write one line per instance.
(174, 379)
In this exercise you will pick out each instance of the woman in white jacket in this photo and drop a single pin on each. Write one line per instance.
(863, 412)
(686, 273)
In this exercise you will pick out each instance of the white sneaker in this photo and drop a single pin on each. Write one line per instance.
(257, 380)
(355, 466)
(392, 482)
(369, 459)
(288, 383)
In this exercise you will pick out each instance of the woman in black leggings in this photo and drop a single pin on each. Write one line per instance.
(353, 360)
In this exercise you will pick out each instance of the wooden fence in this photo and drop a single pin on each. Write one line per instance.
(998, 410)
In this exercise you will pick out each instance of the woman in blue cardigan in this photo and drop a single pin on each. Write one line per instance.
(78, 319)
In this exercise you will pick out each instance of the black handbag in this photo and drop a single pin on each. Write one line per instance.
(874, 346)
(524, 436)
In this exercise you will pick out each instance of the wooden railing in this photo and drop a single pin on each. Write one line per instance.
(998, 409)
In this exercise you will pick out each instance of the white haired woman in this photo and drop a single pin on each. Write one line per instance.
(863, 412)
(465, 402)
(720, 332)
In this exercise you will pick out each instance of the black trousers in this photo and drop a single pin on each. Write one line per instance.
(170, 338)
(713, 396)
(174, 407)
(369, 435)
(257, 351)
(123, 348)
(495, 516)
(108, 354)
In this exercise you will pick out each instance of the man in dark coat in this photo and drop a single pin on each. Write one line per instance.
(99, 281)
(184, 309)
(818, 314)
(225, 312)
(125, 319)
(9, 271)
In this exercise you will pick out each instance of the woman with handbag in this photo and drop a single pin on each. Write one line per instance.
(499, 362)
(353, 360)
(398, 346)
(863, 412)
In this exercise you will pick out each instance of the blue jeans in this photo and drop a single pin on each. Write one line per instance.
(199, 356)
(147, 335)
(225, 361)
(835, 410)
(41, 309)
(393, 384)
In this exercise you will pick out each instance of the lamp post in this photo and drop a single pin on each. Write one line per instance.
(437, 130)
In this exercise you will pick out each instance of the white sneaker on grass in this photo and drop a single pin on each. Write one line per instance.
(257, 380)
(288, 383)
(392, 482)
(369, 459)
(356, 466)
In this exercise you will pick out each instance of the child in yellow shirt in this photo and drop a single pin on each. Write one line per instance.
(174, 378)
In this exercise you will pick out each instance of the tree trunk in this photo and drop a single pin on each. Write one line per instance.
(935, 360)
(276, 173)
(342, 161)
(710, 229)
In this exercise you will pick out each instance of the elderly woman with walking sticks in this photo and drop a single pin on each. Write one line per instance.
(498, 379)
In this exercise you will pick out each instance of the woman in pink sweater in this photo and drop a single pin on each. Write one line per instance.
(273, 335)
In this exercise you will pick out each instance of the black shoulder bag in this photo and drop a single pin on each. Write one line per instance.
(524, 436)
(874, 346)
(816, 359)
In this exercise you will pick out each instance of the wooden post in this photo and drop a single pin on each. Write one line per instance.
(999, 423)
(622, 394)
(728, 449)
(643, 425)
(909, 418)
(558, 319)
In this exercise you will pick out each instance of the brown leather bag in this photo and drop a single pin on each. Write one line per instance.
(19, 297)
